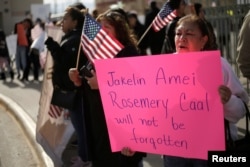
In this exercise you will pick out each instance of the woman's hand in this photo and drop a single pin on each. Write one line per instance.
(75, 77)
(92, 81)
(225, 94)
(127, 151)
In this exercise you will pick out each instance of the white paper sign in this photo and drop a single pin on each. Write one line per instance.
(11, 41)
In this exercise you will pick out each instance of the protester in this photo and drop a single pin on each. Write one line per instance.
(23, 31)
(95, 13)
(115, 23)
(168, 44)
(153, 40)
(4, 58)
(38, 36)
(78, 5)
(191, 36)
(65, 56)
(199, 11)
(243, 49)
(138, 29)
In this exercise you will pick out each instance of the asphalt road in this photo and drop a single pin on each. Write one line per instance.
(15, 147)
(27, 96)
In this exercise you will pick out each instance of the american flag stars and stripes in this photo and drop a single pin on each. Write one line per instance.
(55, 111)
(96, 42)
(166, 15)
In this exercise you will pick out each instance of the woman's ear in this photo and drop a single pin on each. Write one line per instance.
(204, 41)
(75, 22)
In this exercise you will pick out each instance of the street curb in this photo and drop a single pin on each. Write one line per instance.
(29, 127)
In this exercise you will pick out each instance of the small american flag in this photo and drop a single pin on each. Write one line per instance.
(165, 15)
(55, 111)
(96, 42)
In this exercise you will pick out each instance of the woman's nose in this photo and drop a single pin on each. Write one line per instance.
(183, 37)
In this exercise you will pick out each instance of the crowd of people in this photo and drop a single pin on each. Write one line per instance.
(5, 61)
(188, 32)
(29, 46)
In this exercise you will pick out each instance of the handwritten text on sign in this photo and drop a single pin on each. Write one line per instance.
(166, 104)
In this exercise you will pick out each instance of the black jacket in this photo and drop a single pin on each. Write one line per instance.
(97, 128)
(3, 46)
(154, 40)
(65, 57)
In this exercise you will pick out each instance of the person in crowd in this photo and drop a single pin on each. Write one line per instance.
(65, 56)
(115, 23)
(153, 40)
(38, 36)
(78, 5)
(243, 49)
(169, 44)
(200, 12)
(4, 58)
(23, 31)
(95, 13)
(198, 9)
(138, 29)
(192, 35)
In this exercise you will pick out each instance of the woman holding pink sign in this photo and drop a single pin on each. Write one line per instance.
(192, 35)
(114, 22)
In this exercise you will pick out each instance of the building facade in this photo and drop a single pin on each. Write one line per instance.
(141, 6)
(12, 11)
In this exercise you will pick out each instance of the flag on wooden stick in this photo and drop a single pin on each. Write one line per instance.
(96, 42)
(55, 111)
(165, 15)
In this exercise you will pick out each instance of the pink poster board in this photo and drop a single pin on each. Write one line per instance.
(165, 104)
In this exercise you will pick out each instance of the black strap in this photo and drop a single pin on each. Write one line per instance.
(167, 45)
(247, 120)
(228, 136)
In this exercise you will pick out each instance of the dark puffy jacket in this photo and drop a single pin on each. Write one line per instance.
(65, 57)
(97, 127)
(3, 46)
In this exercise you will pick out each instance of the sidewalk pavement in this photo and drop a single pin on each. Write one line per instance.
(17, 98)
(22, 100)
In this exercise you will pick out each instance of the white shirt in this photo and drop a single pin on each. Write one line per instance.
(38, 36)
(234, 109)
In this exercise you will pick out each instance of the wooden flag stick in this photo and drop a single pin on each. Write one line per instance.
(78, 54)
(143, 35)
(84, 11)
